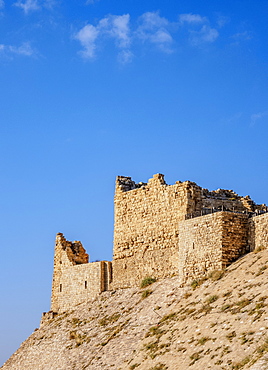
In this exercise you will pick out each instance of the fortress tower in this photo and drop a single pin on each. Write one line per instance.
(161, 231)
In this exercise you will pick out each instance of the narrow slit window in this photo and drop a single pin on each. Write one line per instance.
(85, 284)
(60, 287)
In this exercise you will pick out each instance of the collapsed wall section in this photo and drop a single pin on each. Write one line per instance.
(210, 243)
(146, 227)
(74, 279)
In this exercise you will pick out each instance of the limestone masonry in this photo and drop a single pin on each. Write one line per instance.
(160, 231)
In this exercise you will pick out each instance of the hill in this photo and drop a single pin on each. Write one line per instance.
(215, 323)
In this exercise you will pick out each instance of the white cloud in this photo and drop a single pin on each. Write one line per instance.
(222, 21)
(32, 5)
(242, 36)
(192, 18)
(28, 5)
(153, 28)
(24, 49)
(257, 116)
(125, 56)
(117, 27)
(205, 35)
(87, 37)
(112, 26)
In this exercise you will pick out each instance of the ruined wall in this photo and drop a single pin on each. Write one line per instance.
(74, 279)
(259, 232)
(157, 233)
(80, 283)
(146, 227)
(229, 200)
(210, 243)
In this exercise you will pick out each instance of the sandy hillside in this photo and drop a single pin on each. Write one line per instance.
(218, 323)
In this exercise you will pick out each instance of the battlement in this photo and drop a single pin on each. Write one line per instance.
(160, 230)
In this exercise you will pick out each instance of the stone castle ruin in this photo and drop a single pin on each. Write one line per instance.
(160, 231)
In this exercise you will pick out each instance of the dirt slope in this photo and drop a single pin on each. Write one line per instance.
(221, 324)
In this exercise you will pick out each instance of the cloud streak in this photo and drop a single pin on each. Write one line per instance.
(24, 49)
(254, 118)
(150, 29)
(33, 5)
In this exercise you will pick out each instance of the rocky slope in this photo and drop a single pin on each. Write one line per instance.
(218, 323)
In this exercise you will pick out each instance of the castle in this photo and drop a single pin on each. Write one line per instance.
(160, 231)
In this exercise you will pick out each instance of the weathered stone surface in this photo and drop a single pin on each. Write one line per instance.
(210, 243)
(74, 279)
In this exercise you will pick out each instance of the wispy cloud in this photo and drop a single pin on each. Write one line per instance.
(2, 4)
(222, 21)
(25, 49)
(200, 31)
(241, 36)
(154, 29)
(150, 28)
(32, 5)
(192, 18)
(28, 5)
(254, 118)
(87, 37)
(117, 27)
(125, 56)
(205, 35)
(112, 26)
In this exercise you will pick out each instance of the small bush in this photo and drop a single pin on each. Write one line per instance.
(159, 366)
(132, 367)
(216, 275)
(212, 298)
(197, 282)
(231, 335)
(147, 281)
(146, 293)
(170, 316)
(241, 364)
(203, 340)
(109, 319)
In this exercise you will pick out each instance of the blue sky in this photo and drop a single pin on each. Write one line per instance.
(94, 89)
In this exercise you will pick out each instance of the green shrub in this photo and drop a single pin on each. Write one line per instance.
(147, 281)
(146, 293)
(216, 275)
(212, 298)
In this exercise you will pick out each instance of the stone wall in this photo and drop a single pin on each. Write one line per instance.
(146, 227)
(80, 283)
(210, 243)
(157, 233)
(74, 279)
(259, 232)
